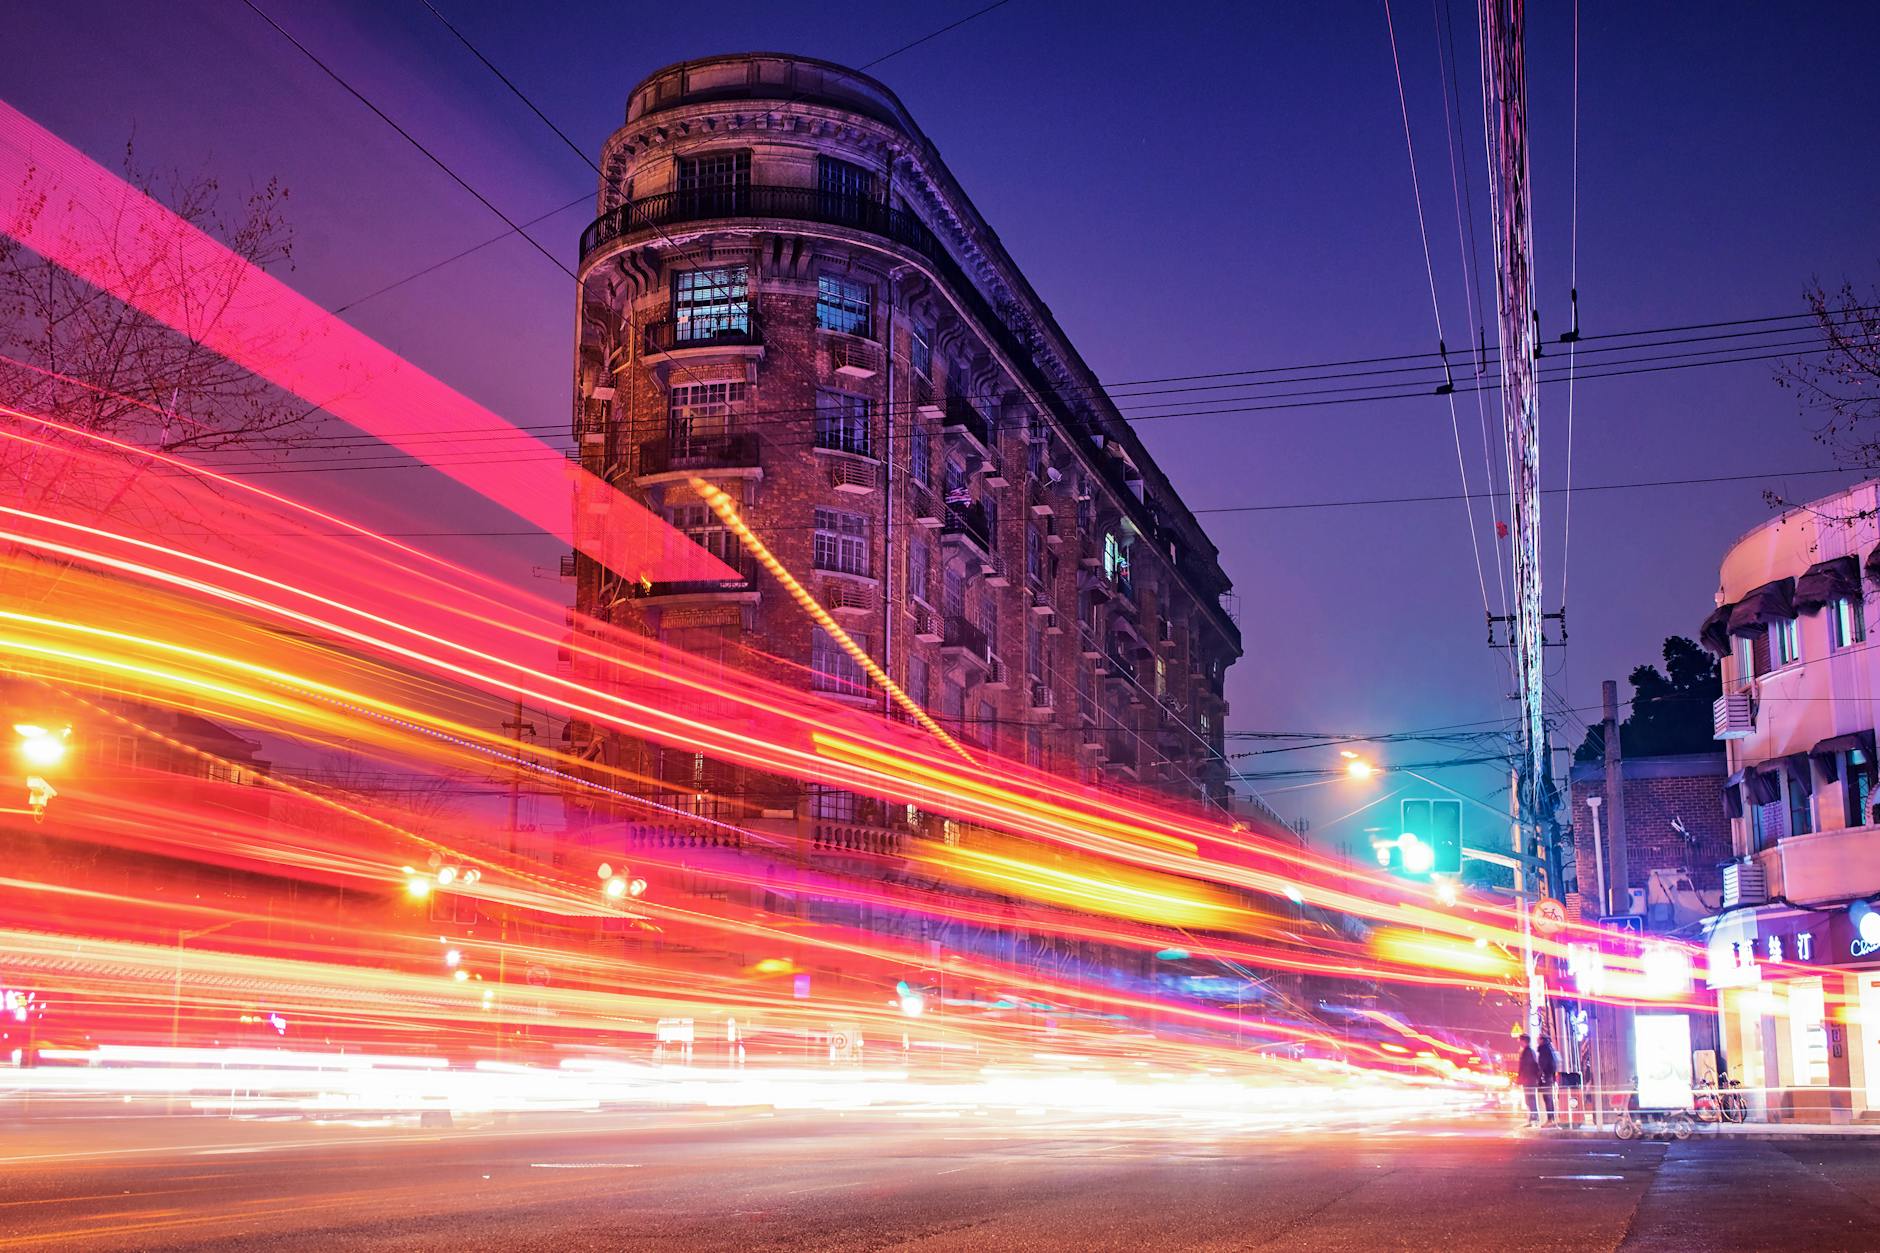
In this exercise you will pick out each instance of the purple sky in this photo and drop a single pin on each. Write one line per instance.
(1210, 191)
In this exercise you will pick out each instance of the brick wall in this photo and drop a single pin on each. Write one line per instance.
(1657, 790)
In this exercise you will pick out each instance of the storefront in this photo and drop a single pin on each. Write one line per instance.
(1798, 996)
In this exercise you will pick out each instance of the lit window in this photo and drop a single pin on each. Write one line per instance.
(841, 542)
(844, 305)
(831, 667)
(1745, 657)
(1846, 626)
(1112, 554)
(1785, 641)
(711, 304)
(843, 422)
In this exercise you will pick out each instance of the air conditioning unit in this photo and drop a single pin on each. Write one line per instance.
(997, 575)
(1733, 716)
(1052, 535)
(1041, 603)
(997, 676)
(927, 626)
(1745, 883)
(1043, 698)
(1051, 626)
(844, 597)
(856, 478)
(1635, 901)
(854, 358)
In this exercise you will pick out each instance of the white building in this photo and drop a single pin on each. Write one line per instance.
(1796, 971)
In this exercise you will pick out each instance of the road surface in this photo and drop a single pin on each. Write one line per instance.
(757, 1180)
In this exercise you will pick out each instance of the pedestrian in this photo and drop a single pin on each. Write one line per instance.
(1549, 1072)
(1527, 1073)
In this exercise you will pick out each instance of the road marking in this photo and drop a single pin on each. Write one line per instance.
(1583, 1176)
(951, 1171)
(582, 1166)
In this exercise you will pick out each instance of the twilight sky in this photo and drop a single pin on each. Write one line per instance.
(1214, 187)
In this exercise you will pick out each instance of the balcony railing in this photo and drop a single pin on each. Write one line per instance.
(739, 561)
(963, 419)
(965, 637)
(723, 330)
(737, 451)
(968, 522)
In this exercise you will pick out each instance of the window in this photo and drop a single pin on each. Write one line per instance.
(842, 304)
(917, 680)
(1745, 651)
(707, 304)
(716, 174)
(1808, 1033)
(841, 542)
(700, 412)
(1112, 554)
(1758, 826)
(831, 667)
(1845, 625)
(1034, 651)
(919, 568)
(843, 421)
(953, 483)
(1161, 676)
(843, 182)
(953, 593)
(831, 804)
(703, 528)
(1034, 556)
(920, 458)
(1857, 782)
(989, 622)
(920, 349)
(1785, 641)
(1801, 819)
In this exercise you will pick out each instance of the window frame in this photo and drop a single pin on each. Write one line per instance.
(832, 670)
(845, 305)
(1785, 642)
(704, 411)
(1846, 622)
(845, 422)
(840, 542)
(702, 314)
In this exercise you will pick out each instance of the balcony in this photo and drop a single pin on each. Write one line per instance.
(695, 454)
(964, 641)
(804, 204)
(925, 506)
(965, 422)
(965, 527)
(1824, 867)
(667, 337)
(1119, 748)
(739, 590)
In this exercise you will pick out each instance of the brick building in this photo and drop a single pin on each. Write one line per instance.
(1676, 831)
(787, 294)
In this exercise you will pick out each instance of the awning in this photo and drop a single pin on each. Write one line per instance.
(1732, 801)
(1873, 565)
(1800, 776)
(1827, 754)
(1763, 787)
(1715, 633)
(1772, 602)
(1825, 581)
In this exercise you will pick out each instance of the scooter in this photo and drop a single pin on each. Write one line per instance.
(1635, 1121)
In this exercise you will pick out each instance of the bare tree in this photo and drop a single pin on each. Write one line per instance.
(1842, 385)
(74, 354)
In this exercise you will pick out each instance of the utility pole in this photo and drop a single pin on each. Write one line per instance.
(1504, 32)
(1620, 902)
(518, 728)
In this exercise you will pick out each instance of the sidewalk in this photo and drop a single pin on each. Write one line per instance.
(1742, 1130)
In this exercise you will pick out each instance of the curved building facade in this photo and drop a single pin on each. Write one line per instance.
(786, 293)
(1795, 950)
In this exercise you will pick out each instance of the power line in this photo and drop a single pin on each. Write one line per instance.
(432, 157)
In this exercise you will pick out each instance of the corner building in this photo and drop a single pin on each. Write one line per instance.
(787, 294)
(1794, 951)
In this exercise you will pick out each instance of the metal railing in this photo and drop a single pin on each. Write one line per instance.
(736, 451)
(968, 522)
(731, 330)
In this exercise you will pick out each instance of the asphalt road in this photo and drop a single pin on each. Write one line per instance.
(751, 1180)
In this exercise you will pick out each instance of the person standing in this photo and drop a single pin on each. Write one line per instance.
(1527, 1073)
(1549, 1067)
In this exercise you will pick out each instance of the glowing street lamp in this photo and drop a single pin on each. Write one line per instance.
(1356, 766)
(40, 748)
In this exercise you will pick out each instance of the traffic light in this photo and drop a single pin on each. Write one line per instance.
(1431, 840)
